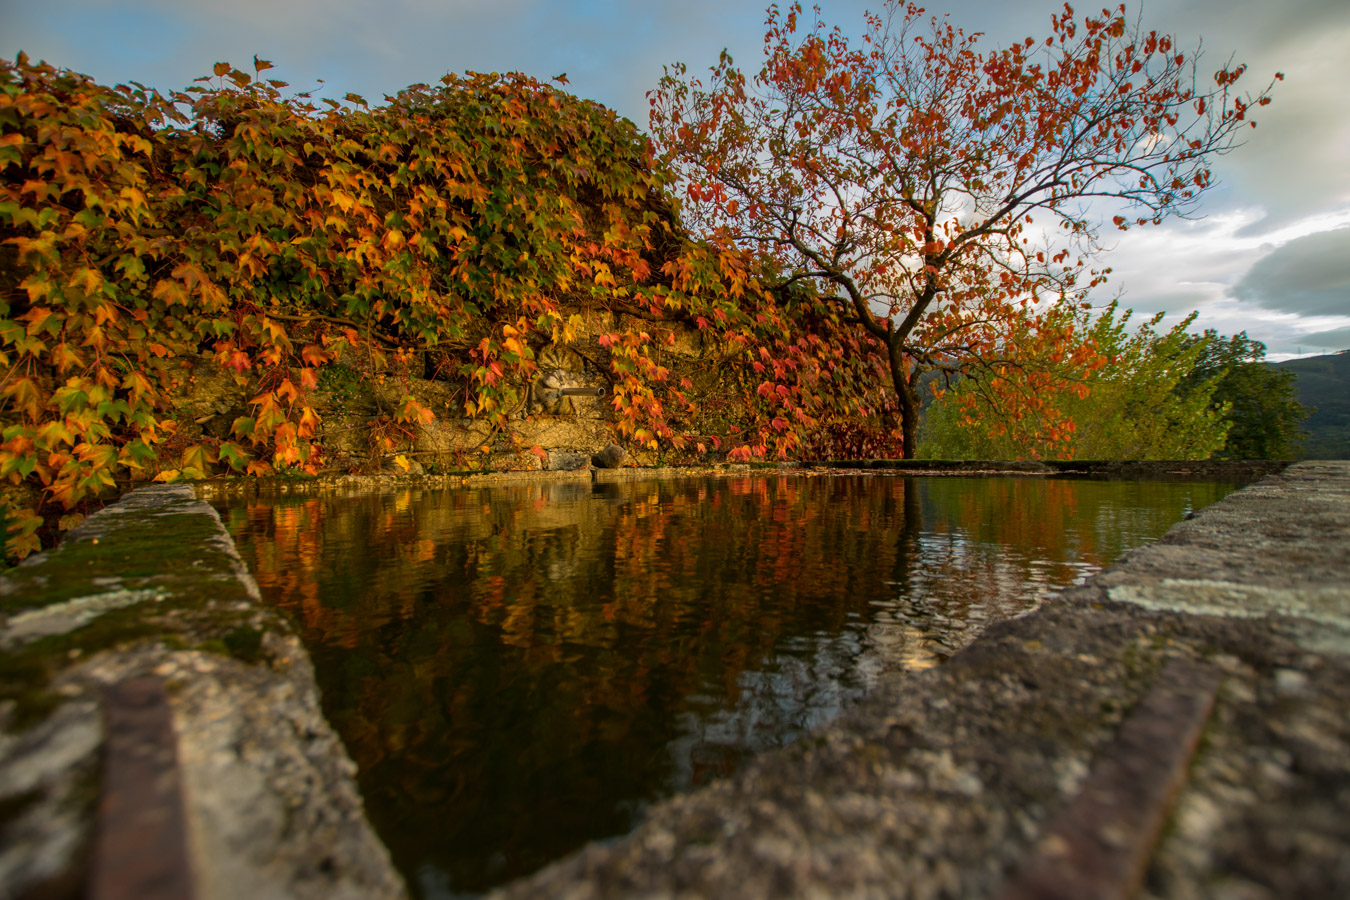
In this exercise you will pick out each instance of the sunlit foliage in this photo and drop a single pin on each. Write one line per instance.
(936, 191)
(461, 227)
(1151, 400)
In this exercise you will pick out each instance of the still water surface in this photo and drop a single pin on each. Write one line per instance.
(520, 669)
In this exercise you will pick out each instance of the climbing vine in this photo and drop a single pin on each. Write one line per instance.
(473, 222)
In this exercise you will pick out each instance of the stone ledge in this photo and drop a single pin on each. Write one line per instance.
(1174, 470)
(943, 782)
(153, 587)
(939, 785)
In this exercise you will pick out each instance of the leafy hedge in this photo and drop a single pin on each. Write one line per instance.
(471, 221)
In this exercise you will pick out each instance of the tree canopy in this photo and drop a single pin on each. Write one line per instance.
(939, 194)
(463, 227)
(1260, 401)
(1153, 399)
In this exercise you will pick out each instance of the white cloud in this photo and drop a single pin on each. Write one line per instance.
(1291, 180)
(1202, 264)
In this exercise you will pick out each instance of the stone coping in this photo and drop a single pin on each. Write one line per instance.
(943, 783)
(956, 781)
(149, 600)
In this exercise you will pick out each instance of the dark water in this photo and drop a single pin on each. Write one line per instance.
(518, 670)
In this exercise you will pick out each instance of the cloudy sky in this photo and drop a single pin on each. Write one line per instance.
(1270, 253)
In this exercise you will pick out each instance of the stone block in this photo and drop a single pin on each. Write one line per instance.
(566, 460)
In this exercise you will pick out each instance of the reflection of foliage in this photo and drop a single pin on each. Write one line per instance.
(514, 668)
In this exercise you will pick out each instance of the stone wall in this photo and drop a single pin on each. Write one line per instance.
(352, 392)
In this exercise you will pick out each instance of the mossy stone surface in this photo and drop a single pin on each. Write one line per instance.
(125, 596)
(157, 566)
(166, 541)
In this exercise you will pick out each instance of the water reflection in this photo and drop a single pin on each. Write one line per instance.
(518, 670)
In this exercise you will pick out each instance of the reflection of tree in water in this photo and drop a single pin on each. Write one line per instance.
(809, 681)
(991, 549)
(519, 669)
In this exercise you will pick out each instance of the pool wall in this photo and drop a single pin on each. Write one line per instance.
(1177, 725)
(161, 734)
(145, 624)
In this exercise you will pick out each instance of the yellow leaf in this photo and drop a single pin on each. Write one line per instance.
(65, 358)
(309, 422)
(169, 291)
(25, 395)
(402, 462)
(198, 457)
(37, 319)
(21, 545)
(134, 197)
(138, 385)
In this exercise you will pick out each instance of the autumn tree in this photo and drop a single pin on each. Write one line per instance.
(1154, 398)
(937, 193)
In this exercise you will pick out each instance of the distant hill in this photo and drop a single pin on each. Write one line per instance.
(1324, 383)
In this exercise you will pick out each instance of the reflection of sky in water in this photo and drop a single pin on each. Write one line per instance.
(520, 669)
(930, 615)
(810, 681)
(812, 678)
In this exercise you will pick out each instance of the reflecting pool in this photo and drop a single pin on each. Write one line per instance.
(520, 669)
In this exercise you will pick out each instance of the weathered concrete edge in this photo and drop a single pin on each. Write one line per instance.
(943, 782)
(270, 797)
(1276, 551)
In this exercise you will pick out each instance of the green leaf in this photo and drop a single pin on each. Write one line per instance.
(70, 399)
(234, 456)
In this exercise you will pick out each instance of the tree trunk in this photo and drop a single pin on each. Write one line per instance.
(909, 420)
(908, 398)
